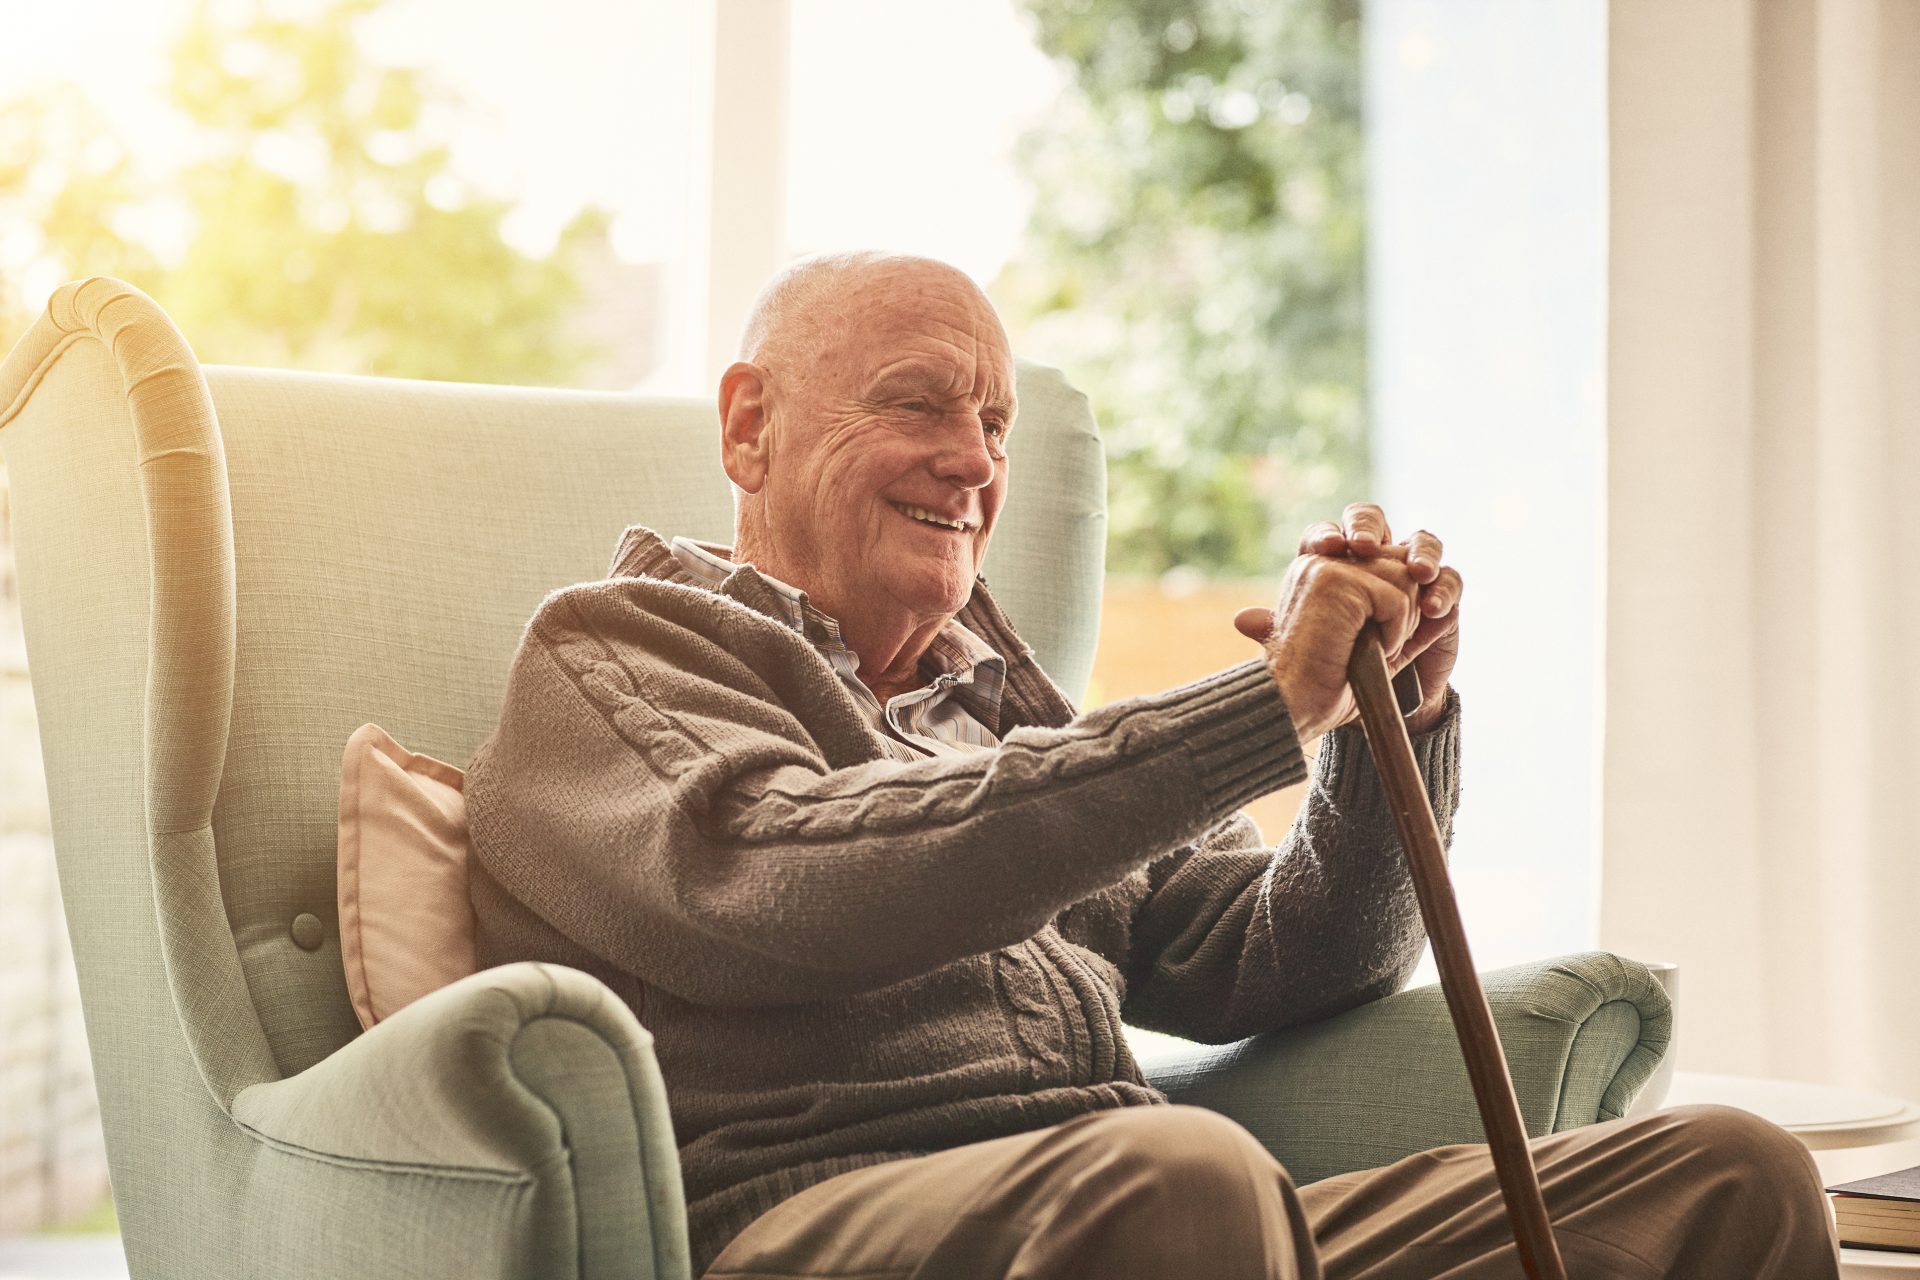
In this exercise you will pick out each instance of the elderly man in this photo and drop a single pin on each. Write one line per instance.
(883, 897)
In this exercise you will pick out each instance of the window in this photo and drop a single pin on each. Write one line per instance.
(1486, 136)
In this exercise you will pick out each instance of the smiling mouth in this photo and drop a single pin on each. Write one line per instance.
(921, 515)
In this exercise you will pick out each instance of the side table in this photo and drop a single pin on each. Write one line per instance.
(1852, 1134)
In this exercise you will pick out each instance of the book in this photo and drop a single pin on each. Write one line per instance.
(1881, 1212)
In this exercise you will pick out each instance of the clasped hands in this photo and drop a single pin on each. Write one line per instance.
(1347, 575)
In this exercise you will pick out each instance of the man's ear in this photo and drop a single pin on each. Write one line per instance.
(743, 425)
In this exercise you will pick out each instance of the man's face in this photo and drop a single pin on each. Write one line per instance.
(904, 417)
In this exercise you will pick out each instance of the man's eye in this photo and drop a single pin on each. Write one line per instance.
(917, 406)
(998, 428)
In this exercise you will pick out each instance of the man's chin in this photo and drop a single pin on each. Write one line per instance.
(947, 593)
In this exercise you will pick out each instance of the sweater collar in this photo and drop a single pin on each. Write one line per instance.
(712, 564)
(1030, 697)
(956, 660)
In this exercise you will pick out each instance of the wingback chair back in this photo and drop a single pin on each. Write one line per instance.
(224, 571)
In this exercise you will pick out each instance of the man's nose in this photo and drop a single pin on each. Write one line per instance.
(964, 458)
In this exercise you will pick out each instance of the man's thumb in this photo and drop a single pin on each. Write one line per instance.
(1254, 623)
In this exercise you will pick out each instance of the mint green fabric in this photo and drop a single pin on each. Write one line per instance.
(1049, 553)
(531, 1078)
(222, 573)
(1582, 1034)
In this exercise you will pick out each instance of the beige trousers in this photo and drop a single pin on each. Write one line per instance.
(1169, 1192)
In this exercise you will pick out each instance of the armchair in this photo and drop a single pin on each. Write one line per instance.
(223, 571)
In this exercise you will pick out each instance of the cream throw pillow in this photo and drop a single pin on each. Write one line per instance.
(406, 923)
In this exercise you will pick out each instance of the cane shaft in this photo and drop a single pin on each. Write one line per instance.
(1472, 1020)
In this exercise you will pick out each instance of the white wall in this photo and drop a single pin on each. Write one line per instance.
(1486, 170)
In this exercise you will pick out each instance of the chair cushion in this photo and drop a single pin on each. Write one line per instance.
(406, 924)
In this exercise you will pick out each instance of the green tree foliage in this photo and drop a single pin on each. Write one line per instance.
(323, 225)
(1195, 259)
(71, 207)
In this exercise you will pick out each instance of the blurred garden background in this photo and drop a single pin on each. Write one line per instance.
(1169, 201)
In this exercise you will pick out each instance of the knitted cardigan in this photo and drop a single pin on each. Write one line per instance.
(846, 958)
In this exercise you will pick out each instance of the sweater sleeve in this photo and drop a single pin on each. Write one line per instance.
(653, 796)
(1233, 939)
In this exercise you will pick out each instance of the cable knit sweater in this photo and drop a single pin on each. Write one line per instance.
(847, 958)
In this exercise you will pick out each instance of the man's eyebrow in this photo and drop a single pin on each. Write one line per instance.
(927, 378)
(903, 377)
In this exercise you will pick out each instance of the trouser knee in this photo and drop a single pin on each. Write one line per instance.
(1740, 1160)
(1200, 1158)
(1756, 1152)
(1163, 1189)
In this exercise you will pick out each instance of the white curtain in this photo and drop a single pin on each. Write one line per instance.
(1761, 761)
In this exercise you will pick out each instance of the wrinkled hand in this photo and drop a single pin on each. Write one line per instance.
(1347, 575)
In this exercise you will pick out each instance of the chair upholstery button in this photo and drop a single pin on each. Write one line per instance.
(307, 931)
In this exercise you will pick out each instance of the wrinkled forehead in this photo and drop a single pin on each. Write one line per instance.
(935, 320)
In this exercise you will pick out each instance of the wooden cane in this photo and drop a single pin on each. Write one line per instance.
(1392, 750)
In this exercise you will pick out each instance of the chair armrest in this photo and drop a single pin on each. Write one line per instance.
(528, 1072)
(1581, 1033)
